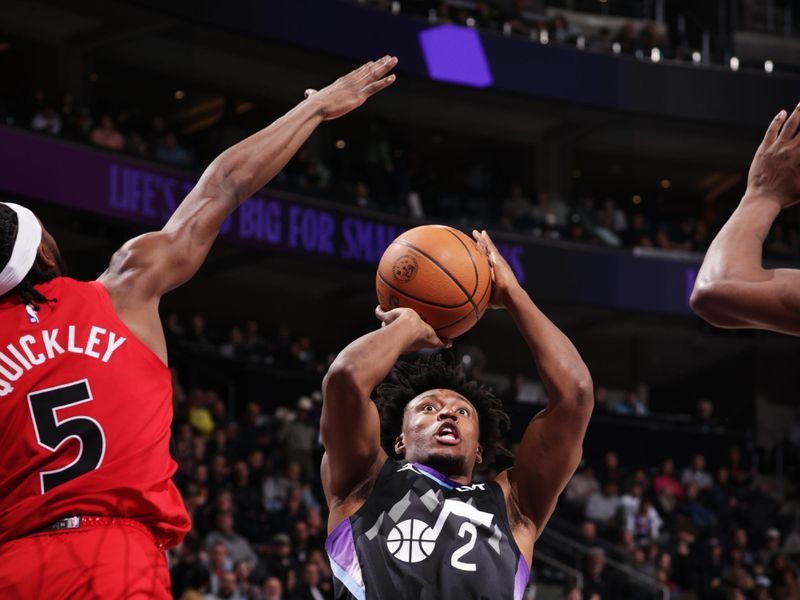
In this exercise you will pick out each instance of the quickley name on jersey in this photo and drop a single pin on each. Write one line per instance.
(422, 536)
(38, 347)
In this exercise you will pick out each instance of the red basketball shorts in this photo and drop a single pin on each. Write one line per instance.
(118, 560)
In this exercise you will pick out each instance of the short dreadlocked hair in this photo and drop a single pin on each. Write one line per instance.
(439, 371)
(28, 294)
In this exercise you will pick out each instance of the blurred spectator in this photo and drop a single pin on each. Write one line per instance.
(582, 485)
(604, 506)
(697, 474)
(106, 136)
(666, 479)
(237, 547)
(631, 405)
(168, 150)
(273, 589)
(46, 120)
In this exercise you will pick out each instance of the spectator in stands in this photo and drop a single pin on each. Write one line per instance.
(518, 209)
(272, 589)
(638, 234)
(233, 348)
(666, 480)
(309, 588)
(46, 120)
(695, 510)
(611, 470)
(361, 197)
(582, 485)
(631, 405)
(631, 499)
(603, 507)
(275, 489)
(597, 579)
(697, 474)
(168, 150)
(106, 136)
(645, 523)
(705, 414)
(300, 436)
(227, 589)
(237, 547)
(550, 213)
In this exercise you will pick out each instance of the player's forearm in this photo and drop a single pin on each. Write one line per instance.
(736, 252)
(564, 374)
(249, 165)
(735, 256)
(366, 362)
(245, 168)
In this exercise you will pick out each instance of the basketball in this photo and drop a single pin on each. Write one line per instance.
(439, 272)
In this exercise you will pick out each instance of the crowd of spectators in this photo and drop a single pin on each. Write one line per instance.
(249, 476)
(389, 175)
(703, 532)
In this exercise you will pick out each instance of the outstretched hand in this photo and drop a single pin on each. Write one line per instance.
(351, 91)
(775, 172)
(502, 274)
(423, 335)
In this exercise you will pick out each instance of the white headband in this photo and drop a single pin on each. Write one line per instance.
(26, 246)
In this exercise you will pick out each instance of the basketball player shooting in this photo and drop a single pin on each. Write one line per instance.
(406, 520)
(87, 505)
(733, 289)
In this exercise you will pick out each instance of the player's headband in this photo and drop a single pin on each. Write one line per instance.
(29, 236)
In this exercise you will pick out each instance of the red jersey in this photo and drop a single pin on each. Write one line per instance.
(85, 415)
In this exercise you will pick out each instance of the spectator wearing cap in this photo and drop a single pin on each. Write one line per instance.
(236, 546)
(770, 548)
(280, 562)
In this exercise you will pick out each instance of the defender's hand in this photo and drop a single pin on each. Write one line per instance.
(775, 172)
(351, 91)
(502, 274)
(422, 335)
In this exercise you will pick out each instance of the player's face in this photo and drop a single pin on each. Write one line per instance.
(441, 430)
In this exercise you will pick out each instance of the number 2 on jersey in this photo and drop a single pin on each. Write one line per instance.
(51, 432)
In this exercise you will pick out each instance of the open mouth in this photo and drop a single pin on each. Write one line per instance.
(448, 434)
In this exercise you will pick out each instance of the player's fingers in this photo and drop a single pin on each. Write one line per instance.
(790, 126)
(489, 244)
(774, 127)
(386, 64)
(309, 91)
(381, 314)
(377, 86)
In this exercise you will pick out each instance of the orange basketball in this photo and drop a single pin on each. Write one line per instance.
(439, 272)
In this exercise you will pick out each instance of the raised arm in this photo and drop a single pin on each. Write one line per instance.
(350, 422)
(733, 289)
(551, 446)
(147, 267)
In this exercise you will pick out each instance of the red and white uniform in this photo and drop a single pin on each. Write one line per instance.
(85, 415)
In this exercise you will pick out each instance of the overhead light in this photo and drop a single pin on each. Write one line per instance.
(341, 144)
(637, 199)
(395, 8)
(506, 28)
(734, 62)
(666, 184)
(470, 22)
(180, 94)
(696, 57)
(544, 36)
(580, 42)
(616, 47)
(769, 66)
(655, 55)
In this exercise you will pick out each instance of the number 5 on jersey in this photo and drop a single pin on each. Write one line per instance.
(51, 432)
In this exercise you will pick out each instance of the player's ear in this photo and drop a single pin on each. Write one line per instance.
(400, 445)
(479, 455)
